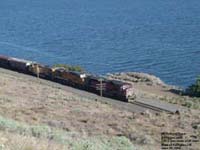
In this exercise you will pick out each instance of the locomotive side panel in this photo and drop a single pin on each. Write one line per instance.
(118, 89)
(74, 78)
(40, 70)
(69, 78)
(45, 72)
(111, 89)
(91, 84)
(96, 85)
(4, 62)
(19, 64)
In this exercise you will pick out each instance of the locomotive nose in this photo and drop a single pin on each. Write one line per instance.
(129, 92)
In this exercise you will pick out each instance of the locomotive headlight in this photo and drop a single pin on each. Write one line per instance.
(83, 75)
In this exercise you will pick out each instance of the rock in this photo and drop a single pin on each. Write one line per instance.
(133, 136)
(138, 77)
(148, 114)
(196, 125)
(147, 140)
(3, 140)
(56, 124)
(141, 139)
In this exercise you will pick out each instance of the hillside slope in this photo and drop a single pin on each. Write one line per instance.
(29, 104)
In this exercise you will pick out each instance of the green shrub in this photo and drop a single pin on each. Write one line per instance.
(36, 131)
(188, 104)
(103, 143)
(194, 89)
(70, 67)
(70, 139)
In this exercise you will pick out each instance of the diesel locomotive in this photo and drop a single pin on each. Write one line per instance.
(92, 83)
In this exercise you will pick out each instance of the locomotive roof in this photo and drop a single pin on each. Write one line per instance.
(76, 72)
(20, 60)
(4, 57)
(116, 82)
(95, 77)
(62, 69)
(119, 82)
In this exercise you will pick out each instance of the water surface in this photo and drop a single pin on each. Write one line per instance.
(161, 37)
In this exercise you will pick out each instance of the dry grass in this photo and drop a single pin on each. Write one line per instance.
(12, 141)
(19, 136)
(39, 109)
(18, 142)
(189, 102)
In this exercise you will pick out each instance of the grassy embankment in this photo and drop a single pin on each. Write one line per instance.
(190, 97)
(43, 116)
(36, 114)
(19, 136)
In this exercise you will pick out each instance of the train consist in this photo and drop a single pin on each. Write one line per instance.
(92, 83)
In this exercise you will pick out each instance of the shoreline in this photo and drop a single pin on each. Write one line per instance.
(149, 79)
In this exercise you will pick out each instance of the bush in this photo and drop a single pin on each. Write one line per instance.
(68, 139)
(188, 104)
(194, 89)
(35, 131)
(103, 143)
(70, 67)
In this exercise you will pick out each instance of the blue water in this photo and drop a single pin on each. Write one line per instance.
(161, 37)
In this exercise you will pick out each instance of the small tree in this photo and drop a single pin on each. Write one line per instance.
(70, 68)
(194, 89)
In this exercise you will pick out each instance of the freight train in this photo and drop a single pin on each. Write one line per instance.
(92, 83)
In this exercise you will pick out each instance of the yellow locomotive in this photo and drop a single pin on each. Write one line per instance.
(39, 70)
(72, 78)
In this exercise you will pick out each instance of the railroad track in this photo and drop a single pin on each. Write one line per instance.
(133, 106)
(151, 107)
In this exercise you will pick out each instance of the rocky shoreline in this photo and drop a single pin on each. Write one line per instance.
(138, 77)
(142, 78)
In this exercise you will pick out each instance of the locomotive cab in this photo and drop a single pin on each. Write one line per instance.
(120, 90)
(127, 90)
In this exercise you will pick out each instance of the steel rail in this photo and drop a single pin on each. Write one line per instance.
(155, 108)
